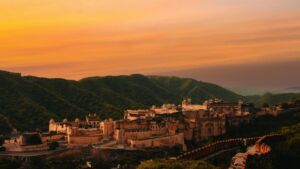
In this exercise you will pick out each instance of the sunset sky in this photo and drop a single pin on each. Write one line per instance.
(78, 38)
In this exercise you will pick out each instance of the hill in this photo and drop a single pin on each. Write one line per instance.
(295, 89)
(28, 102)
(273, 99)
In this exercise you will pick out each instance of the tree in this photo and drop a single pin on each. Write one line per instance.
(284, 105)
(170, 164)
(53, 145)
(2, 139)
(265, 105)
(5, 126)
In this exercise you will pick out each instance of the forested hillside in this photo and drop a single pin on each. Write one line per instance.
(28, 102)
(273, 99)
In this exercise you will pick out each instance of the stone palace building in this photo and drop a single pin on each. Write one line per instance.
(167, 125)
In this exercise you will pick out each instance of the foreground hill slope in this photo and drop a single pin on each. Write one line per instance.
(27, 102)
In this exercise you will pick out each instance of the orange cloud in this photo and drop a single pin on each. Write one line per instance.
(77, 38)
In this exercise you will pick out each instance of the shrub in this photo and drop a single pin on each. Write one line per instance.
(53, 145)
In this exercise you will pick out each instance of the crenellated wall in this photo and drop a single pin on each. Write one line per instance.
(169, 141)
(90, 139)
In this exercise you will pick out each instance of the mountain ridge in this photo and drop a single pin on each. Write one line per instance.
(273, 98)
(28, 102)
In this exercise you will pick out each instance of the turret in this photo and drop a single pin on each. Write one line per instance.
(51, 121)
(187, 101)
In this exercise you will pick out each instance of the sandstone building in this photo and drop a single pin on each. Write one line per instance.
(167, 125)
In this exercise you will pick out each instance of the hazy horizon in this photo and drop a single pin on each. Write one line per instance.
(265, 76)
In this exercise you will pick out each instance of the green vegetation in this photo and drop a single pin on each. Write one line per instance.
(73, 161)
(265, 124)
(287, 153)
(53, 145)
(284, 154)
(273, 99)
(8, 163)
(99, 159)
(27, 103)
(170, 164)
(5, 126)
(198, 91)
(44, 163)
(2, 139)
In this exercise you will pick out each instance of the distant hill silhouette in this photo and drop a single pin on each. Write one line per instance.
(28, 102)
(273, 99)
(295, 89)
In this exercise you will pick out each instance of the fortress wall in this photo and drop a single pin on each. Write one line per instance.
(169, 141)
(95, 139)
(15, 147)
(136, 135)
(53, 138)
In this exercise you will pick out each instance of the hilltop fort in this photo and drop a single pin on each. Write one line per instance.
(167, 125)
